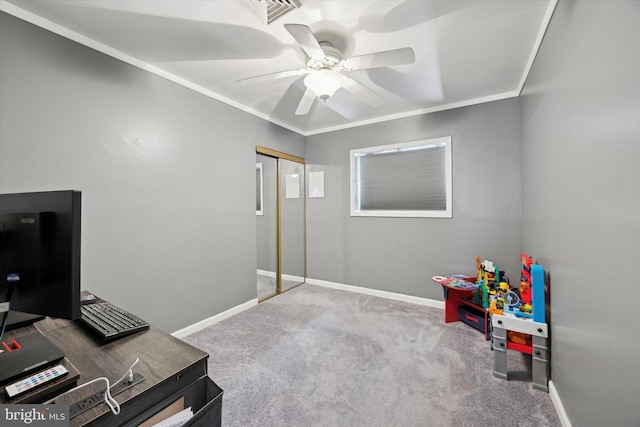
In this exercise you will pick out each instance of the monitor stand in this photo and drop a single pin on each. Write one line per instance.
(18, 319)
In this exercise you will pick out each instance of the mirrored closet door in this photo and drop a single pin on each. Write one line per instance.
(292, 271)
(266, 218)
(280, 216)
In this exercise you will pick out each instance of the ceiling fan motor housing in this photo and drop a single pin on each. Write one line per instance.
(332, 59)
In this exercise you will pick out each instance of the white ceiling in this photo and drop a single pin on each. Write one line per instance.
(466, 52)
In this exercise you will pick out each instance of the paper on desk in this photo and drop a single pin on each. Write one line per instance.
(177, 419)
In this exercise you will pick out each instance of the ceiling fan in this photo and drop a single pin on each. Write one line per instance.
(325, 67)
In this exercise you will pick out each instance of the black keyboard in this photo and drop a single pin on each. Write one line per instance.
(111, 322)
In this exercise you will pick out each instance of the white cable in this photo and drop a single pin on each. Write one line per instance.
(129, 373)
(115, 407)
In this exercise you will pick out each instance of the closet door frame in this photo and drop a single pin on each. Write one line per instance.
(280, 155)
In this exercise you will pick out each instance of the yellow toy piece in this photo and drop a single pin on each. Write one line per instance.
(526, 308)
(478, 269)
(493, 307)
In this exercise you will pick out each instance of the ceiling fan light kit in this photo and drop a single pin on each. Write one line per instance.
(323, 83)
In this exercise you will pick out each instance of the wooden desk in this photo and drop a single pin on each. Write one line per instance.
(172, 370)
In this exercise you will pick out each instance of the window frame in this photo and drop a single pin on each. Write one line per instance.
(446, 213)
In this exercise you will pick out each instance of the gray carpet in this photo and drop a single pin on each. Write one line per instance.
(321, 357)
(267, 285)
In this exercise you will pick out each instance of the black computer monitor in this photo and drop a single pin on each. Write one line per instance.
(40, 255)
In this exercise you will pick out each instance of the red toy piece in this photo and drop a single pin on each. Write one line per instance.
(525, 278)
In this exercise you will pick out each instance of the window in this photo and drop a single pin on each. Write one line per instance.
(405, 180)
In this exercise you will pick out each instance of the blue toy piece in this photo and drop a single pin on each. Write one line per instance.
(537, 291)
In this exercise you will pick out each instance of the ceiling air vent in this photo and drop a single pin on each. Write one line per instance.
(270, 10)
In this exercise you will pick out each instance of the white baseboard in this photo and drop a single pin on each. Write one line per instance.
(272, 274)
(376, 293)
(266, 273)
(293, 278)
(214, 319)
(562, 414)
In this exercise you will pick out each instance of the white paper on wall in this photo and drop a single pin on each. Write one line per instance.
(316, 184)
(292, 182)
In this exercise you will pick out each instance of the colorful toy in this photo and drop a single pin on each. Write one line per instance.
(519, 337)
(492, 286)
(531, 293)
(481, 296)
(455, 281)
(490, 274)
(497, 303)
(479, 270)
(525, 278)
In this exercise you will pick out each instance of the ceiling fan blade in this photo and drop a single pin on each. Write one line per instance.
(357, 88)
(341, 104)
(305, 103)
(380, 59)
(276, 75)
(305, 38)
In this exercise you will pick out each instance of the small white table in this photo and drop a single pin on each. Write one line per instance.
(539, 336)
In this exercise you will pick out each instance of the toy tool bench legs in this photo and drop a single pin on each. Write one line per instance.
(539, 335)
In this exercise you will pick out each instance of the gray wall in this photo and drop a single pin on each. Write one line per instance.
(166, 174)
(580, 113)
(402, 254)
